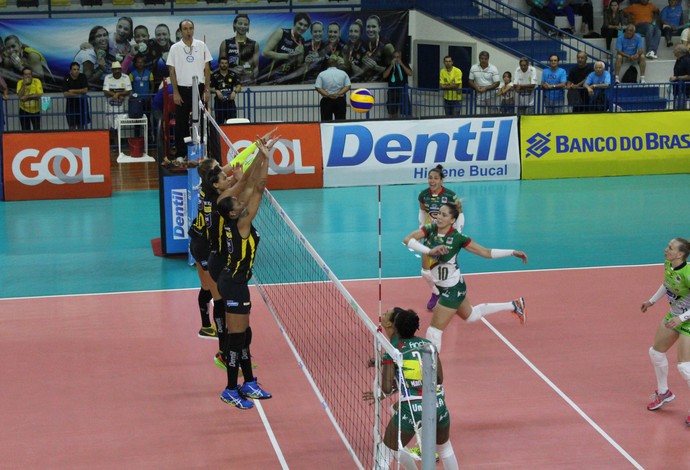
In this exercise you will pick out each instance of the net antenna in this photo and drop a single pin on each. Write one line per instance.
(330, 335)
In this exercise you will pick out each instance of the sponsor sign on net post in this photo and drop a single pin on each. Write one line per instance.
(370, 153)
(294, 161)
(58, 166)
(572, 146)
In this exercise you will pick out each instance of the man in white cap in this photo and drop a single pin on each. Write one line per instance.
(116, 87)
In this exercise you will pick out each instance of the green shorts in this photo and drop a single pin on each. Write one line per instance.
(683, 328)
(452, 297)
(411, 413)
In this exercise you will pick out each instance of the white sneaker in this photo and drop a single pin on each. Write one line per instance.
(651, 55)
(642, 80)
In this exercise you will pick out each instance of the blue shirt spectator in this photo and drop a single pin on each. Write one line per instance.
(629, 46)
(671, 18)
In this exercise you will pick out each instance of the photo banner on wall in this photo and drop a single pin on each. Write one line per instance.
(263, 49)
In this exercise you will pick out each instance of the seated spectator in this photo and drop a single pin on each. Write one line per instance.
(585, 9)
(644, 15)
(629, 49)
(596, 84)
(670, 19)
(614, 22)
(524, 83)
(577, 94)
(681, 76)
(553, 81)
(563, 8)
(538, 9)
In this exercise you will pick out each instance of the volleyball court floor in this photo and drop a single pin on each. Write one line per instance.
(116, 377)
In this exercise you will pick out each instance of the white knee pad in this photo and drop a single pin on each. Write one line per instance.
(434, 335)
(684, 369)
(658, 358)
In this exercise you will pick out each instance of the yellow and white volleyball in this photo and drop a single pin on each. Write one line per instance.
(361, 100)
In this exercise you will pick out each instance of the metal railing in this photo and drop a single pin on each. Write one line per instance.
(302, 105)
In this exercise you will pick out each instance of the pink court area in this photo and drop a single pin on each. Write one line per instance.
(122, 381)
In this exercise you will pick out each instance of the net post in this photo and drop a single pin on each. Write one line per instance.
(429, 377)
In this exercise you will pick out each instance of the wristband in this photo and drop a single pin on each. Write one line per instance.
(495, 253)
(416, 246)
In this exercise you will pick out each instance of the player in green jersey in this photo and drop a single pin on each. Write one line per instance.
(443, 243)
(402, 325)
(430, 201)
(675, 327)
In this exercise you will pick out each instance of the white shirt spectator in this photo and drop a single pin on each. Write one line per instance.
(189, 61)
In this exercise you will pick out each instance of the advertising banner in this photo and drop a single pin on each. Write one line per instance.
(174, 236)
(262, 48)
(370, 153)
(295, 161)
(56, 165)
(588, 145)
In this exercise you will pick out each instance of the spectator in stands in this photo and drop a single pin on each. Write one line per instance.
(563, 8)
(354, 51)
(629, 49)
(116, 87)
(596, 84)
(644, 15)
(670, 19)
(379, 52)
(17, 56)
(335, 45)
(285, 50)
(451, 84)
(333, 84)
(75, 89)
(524, 83)
(30, 91)
(314, 53)
(241, 51)
(119, 45)
(92, 57)
(225, 85)
(506, 91)
(553, 81)
(484, 79)
(585, 9)
(396, 74)
(681, 76)
(539, 9)
(614, 22)
(577, 94)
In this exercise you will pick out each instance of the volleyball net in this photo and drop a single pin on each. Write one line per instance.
(331, 337)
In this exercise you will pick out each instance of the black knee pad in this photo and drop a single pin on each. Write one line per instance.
(235, 342)
(248, 337)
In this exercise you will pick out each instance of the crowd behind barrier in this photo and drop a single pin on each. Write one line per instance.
(302, 105)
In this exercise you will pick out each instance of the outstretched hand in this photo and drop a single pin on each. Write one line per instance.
(520, 254)
(646, 305)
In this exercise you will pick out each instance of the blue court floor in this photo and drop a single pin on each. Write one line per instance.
(103, 245)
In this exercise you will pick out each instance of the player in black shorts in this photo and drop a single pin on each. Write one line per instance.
(239, 243)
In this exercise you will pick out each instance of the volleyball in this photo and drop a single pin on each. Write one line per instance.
(361, 100)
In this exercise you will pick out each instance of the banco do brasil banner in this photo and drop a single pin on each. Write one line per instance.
(263, 49)
(617, 144)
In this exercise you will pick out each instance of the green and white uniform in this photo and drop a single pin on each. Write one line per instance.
(677, 284)
(432, 204)
(444, 269)
(409, 381)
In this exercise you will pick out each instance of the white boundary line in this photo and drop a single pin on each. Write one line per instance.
(565, 397)
(271, 436)
(181, 289)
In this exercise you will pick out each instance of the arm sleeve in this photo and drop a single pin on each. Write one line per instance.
(658, 295)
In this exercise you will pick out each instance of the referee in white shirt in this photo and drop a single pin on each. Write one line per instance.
(187, 58)
(333, 84)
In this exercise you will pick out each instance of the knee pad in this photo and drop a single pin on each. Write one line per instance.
(684, 369)
(235, 342)
(434, 335)
(445, 449)
(658, 358)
